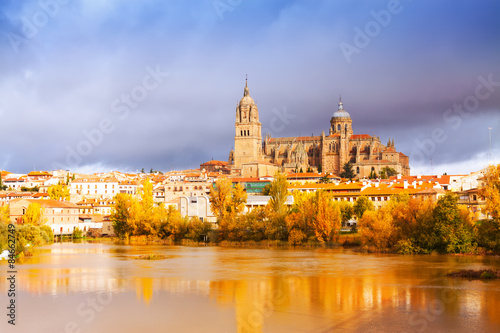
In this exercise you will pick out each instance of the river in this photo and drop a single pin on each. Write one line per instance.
(102, 287)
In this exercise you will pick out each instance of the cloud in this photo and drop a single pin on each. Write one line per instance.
(63, 81)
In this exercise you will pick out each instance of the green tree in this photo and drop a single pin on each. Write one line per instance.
(454, 231)
(34, 215)
(348, 172)
(266, 189)
(320, 169)
(373, 175)
(59, 191)
(361, 205)
(325, 180)
(387, 172)
(121, 215)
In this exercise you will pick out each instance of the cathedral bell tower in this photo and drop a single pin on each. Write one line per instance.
(248, 138)
(341, 125)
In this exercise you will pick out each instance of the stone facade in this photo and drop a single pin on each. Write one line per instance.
(330, 152)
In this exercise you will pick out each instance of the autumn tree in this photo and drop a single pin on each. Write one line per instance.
(4, 214)
(237, 201)
(278, 192)
(34, 215)
(58, 191)
(361, 205)
(376, 228)
(491, 191)
(328, 218)
(220, 197)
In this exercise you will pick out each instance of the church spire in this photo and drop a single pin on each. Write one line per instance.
(246, 92)
(341, 105)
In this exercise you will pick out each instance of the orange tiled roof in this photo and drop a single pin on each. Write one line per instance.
(360, 136)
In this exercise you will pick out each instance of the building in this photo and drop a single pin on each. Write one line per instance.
(94, 187)
(61, 216)
(327, 152)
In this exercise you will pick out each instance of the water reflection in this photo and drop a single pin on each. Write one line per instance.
(268, 290)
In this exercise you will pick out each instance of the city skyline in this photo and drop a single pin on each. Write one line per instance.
(122, 86)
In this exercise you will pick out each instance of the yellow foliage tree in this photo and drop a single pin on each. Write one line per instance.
(376, 228)
(34, 215)
(4, 214)
(237, 201)
(220, 197)
(328, 219)
(491, 190)
(59, 191)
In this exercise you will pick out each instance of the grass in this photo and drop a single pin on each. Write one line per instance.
(152, 256)
(482, 274)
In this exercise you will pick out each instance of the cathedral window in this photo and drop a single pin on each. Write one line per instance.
(357, 170)
(338, 127)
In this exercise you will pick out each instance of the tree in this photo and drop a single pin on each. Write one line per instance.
(387, 172)
(373, 175)
(376, 228)
(2, 186)
(220, 196)
(348, 172)
(34, 215)
(278, 192)
(59, 191)
(361, 205)
(325, 180)
(4, 214)
(491, 191)
(320, 169)
(328, 219)
(237, 201)
(453, 228)
(121, 215)
(266, 189)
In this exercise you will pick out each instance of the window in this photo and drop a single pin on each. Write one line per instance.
(338, 127)
(357, 169)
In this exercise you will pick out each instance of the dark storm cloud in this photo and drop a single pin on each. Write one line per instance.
(75, 74)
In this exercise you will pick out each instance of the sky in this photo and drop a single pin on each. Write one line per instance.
(93, 86)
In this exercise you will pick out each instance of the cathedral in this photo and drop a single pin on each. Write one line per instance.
(253, 157)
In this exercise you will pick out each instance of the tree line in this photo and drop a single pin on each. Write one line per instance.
(404, 225)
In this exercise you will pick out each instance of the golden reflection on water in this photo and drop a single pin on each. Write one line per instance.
(277, 290)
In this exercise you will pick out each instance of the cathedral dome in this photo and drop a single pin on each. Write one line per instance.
(246, 100)
(341, 113)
